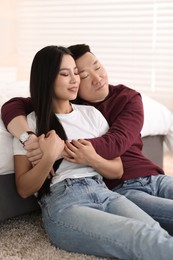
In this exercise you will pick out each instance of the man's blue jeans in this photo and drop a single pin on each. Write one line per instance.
(83, 216)
(153, 194)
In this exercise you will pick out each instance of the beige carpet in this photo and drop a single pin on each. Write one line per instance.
(23, 238)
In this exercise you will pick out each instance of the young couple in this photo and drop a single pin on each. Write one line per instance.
(79, 213)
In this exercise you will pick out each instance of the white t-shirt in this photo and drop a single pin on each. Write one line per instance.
(82, 123)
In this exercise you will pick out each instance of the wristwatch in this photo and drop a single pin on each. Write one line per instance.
(25, 136)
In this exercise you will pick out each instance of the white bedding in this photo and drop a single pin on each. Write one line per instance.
(158, 120)
(9, 90)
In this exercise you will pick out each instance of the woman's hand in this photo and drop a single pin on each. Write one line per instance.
(30, 179)
(51, 145)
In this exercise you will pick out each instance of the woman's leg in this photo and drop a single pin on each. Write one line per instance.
(154, 195)
(75, 220)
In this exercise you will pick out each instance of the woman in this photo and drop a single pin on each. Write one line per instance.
(79, 213)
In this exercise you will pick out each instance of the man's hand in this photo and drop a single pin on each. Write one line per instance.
(32, 147)
(79, 151)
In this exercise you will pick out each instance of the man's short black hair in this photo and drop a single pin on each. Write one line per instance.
(79, 50)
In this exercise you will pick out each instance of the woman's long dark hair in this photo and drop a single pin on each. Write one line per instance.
(44, 70)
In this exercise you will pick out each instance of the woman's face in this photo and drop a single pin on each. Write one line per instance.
(67, 80)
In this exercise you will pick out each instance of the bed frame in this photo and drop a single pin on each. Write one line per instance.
(153, 148)
(11, 204)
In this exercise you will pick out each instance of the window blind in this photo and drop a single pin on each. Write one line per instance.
(133, 39)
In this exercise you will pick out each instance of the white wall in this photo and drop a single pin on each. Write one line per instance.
(133, 39)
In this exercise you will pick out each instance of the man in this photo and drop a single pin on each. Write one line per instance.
(143, 182)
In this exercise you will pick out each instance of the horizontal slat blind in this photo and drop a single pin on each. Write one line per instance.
(133, 39)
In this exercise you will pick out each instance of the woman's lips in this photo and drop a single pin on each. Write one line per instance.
(73, 89)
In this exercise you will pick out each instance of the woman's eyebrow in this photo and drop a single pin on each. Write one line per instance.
(63, 69)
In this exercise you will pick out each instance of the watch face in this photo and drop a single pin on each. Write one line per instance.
(24, 137)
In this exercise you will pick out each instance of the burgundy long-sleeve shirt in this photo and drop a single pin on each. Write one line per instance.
(123, 109)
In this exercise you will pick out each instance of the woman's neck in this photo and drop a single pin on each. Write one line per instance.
(63, 107)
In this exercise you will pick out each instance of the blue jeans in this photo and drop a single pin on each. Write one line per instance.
(153, 194)
(83, 216)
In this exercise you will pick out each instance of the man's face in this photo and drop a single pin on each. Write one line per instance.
(94, 80)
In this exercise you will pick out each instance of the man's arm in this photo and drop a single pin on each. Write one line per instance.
(125, 128)
(82, 152)
(18, 125)
(13, 114)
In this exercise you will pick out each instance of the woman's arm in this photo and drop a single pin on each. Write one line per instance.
(29, 180)
(82, 152)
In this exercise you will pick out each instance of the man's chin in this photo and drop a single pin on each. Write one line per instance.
(99, 98)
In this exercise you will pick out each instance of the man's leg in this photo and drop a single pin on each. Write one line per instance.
(154, 195)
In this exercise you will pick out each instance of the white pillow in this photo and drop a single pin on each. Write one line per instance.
(6, 151)
(7, 91)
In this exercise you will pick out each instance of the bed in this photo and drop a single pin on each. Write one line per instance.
(154, 137)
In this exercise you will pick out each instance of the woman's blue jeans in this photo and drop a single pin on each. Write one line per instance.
(153, 194)
(83, 216)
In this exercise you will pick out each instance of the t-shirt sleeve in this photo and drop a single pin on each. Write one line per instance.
(101, 123)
